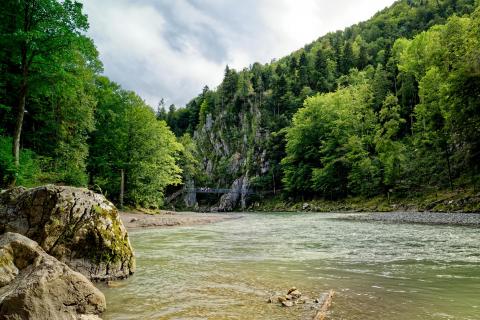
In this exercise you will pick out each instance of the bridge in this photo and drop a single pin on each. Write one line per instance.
(207, 190)
(216, 191)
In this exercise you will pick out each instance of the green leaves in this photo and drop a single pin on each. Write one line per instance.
(325, 136)
(444, 62)
(129, 137)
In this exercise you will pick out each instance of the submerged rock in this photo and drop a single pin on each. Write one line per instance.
(77, 226)
(35, 285)
(287, 303)
(293, 297)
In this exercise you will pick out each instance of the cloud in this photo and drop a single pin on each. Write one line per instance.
(172, 48)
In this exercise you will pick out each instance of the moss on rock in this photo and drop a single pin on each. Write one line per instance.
(77, 226)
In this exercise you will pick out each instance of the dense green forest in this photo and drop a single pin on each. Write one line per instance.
(390, 105)
(62, 122)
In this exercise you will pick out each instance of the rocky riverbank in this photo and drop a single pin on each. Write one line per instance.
(436, 218)
(459, 200)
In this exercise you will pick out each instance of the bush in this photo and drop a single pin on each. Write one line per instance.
(28, 173)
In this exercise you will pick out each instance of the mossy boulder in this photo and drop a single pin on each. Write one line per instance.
(35, 285)
(77, 226)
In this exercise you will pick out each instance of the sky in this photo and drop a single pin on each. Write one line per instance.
(171, 49)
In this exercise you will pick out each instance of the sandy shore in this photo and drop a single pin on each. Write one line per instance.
(137, 219)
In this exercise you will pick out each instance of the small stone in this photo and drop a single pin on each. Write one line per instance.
(287, 303)
(281, 299)
(291, 290)
(295, 294)
(134, 220)
(305, 206)
(113, 284)
(288, 297)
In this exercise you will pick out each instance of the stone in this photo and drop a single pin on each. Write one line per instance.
(291, 290)
(295, 294)
(287, 303)
(35, 285)
(237, 195)
(305, 206)
(190, 198)
(77, 226)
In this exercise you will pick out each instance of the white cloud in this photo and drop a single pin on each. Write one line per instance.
(172, 48)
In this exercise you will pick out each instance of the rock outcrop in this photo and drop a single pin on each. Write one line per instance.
(76, 226)
(190, 198)
(35, 285)
(232, 146)
(237, 196)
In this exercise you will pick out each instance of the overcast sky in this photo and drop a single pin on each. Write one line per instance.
(172, 48)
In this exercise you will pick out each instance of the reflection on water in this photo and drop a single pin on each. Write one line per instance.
(228, 270)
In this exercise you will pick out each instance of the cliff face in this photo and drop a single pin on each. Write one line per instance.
(231, 148)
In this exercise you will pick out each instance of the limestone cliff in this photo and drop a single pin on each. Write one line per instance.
(231, 149)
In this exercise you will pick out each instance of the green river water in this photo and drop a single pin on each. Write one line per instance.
(227, 270)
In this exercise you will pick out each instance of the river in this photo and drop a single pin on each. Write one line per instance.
(228, 270)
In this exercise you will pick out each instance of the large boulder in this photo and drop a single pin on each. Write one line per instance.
(35, 285)
(77, 226)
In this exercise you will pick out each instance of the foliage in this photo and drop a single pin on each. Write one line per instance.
(74, 126)
(360, 112)
(367, 143)
(130, 138)
(28, 174)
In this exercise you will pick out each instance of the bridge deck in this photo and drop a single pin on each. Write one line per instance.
(216, 191)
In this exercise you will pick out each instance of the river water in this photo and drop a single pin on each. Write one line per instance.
(228, 270)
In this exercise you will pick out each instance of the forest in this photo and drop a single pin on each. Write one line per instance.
(390, 105)
(63, 122)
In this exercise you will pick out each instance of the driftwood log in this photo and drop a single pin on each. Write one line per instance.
(325, 305)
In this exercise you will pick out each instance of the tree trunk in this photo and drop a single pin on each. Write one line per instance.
(122, 187)
(17, 133)
(18, 127)
(274, 186)
(325, 305)
(447, 156)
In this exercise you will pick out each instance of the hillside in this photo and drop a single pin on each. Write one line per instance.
(362, 134)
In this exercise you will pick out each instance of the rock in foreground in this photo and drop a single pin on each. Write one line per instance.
(76, 226)
(34, 285)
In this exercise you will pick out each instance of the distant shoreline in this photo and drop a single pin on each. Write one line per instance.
(431, 218)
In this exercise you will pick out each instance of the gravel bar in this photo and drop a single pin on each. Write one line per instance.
(460, 219)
